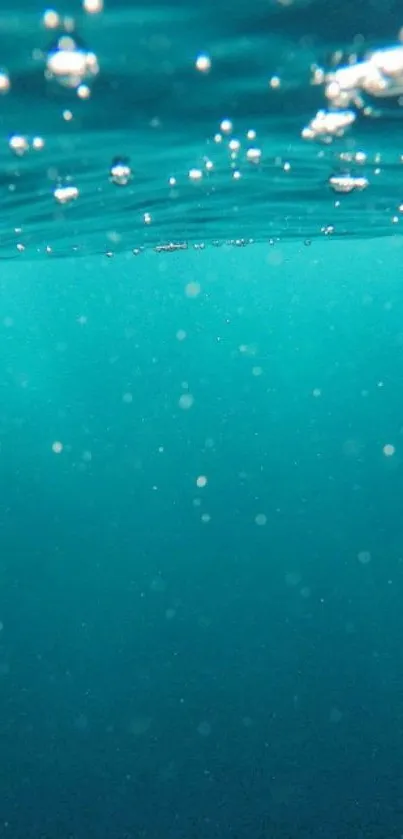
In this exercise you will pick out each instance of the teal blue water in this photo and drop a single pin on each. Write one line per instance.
(212, 659)
(201, 548)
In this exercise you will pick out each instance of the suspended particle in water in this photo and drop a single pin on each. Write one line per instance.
(120, 171)
(192, 289)
(388, 450)
(57, 447)
(158, 584)
(201, 481)
(186, 401)
(204, 729)
(364, 557)
(261, 519)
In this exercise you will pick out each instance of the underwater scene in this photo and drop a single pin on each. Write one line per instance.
(201, 419)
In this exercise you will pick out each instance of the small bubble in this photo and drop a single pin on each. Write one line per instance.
(5, 83)
(38, 143)
(93, 7)
(83, 91)
(65, 194)
(51, 19)
(18, 144)
(203, 63)
(201, 481)
(254, 155)
(120, 172)
(388, 450)
(261, 519)
(226, 126)
(195, 174)
(364, 557)
(181, 334)
(57, 447)
(205, 518)
(127, 398)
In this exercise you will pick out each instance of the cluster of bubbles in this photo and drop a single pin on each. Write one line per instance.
(355, 88)
(350, 89)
